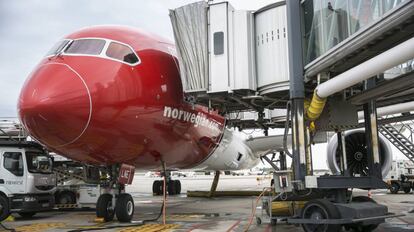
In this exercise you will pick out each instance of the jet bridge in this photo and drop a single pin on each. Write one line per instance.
(319, 63)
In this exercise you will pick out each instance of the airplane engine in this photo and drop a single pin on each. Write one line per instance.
(356, 153)
(231, 154)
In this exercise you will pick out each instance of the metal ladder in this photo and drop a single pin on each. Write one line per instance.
(398, 139)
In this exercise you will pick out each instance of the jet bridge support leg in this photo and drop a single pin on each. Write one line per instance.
(297, 92)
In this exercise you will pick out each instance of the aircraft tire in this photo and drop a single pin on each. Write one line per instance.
(124, 209)
(104, 207)
(171, 188)
(177, 187)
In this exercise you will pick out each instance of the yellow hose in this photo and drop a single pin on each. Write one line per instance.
(315, 108)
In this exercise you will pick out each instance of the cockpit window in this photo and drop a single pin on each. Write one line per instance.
(86, 46)
(57, 48)
(121, 52)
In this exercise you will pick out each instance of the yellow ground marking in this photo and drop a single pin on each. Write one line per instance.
(151, 228)
(39, 227)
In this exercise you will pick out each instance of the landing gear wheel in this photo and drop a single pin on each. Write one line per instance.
(360, 227)
(104, 207)
(320, 209)
(157, 187)
(407, 189)
(124, 209)
(27, 215)
(171, 187)
(394, 188)
(177, 187)
(4, 208)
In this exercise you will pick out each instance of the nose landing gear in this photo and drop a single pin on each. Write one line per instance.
(115, 202)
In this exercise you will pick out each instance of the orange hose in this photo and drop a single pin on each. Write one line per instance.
(165, 200)
(254, 209)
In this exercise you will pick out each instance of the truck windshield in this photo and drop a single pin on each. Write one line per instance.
(38, 162)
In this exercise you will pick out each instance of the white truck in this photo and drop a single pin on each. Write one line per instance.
(27, 183)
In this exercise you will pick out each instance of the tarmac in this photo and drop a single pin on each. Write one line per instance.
(199, 214)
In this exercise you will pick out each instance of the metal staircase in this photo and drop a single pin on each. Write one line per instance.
(394, 133)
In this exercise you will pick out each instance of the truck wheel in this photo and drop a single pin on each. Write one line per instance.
(124, 208)
(407, 189)
(104, 207)
(64, 198)
(27, 215)
(394, 188)
(4, 208)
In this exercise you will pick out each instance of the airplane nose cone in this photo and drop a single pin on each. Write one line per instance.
(55, 105)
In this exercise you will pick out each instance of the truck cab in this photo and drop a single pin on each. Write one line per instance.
(27, 181)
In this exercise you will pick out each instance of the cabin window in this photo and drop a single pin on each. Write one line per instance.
(58, 47)
(121, 52)
(86, 46)
(13, 162)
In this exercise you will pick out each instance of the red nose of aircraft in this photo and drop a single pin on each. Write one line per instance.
(55, 104)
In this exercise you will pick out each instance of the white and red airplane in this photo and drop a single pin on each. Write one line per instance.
(111, 96)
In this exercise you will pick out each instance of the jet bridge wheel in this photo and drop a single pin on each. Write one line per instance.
(4, 208)
(124, 208)
(320, 209)
(104, 207)
(359, 227)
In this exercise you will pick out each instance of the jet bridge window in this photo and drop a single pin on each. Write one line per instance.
(218, 40)
(13, 162)
(122, 53)
(86, 47)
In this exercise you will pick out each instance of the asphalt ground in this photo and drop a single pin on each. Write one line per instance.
(199, 214)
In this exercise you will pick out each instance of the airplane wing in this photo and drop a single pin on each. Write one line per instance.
(267, 144)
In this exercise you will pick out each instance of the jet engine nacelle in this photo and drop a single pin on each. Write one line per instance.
(356, 153)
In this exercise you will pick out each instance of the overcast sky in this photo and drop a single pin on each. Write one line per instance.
(29, 28)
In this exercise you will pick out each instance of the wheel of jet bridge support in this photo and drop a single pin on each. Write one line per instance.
(360, 227)
(124, 208)
(320, 209)
(4, 208)
(104, 207)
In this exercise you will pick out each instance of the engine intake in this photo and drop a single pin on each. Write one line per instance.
(356, 153)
